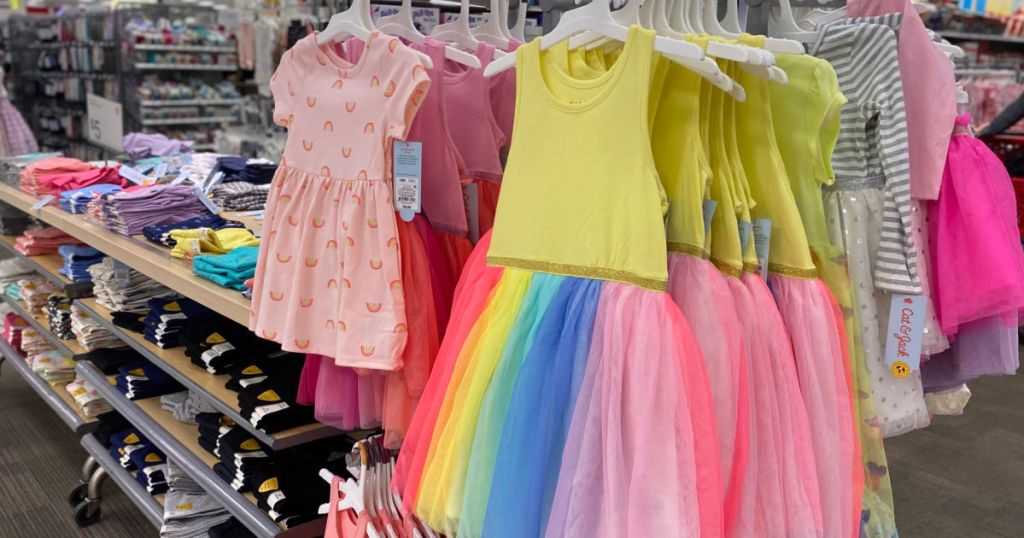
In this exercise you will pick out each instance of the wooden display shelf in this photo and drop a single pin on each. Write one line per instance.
(147, 258)
(48, 265)
(41, 323)
(180, 367)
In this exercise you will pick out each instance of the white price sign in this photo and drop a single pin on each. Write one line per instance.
(105, 122)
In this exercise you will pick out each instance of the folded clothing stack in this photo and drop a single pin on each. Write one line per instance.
(14, 269)
(240, 196)
(77, 261)
(77, 201)
(55, 367)
(270, 405)
(189, 511)
(188, 243)
(109, 361)
(239, 452)
(217, 343)
(13, 327)
(160, 233)
(88, 398)
(291, 493)
(166, 319)
(199, 169)
(90, 334)
(58, 310)
(129, 211)
(255, 171)
(12, 220)
(142, 145)
(39, 241)
(13, 290)
(230, 270)
(121, 289)
(34, 291)
(37, 178)
(136, 453)
(185, 405)
(141, 379)
(33, 343)
(107, 425)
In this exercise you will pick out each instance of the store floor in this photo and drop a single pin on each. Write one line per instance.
(963, 476)
(40, 460)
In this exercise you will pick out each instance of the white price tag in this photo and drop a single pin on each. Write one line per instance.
(42, 202)
(105, 122)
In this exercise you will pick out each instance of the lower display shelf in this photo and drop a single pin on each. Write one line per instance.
(150, 506)
(56, 397)
(180, 367)
(41, 323)
(180, 442)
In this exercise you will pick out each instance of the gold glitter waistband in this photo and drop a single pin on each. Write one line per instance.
(751, 267)
(686, 248)
(728, 269)
(596, 273)
(786, 270)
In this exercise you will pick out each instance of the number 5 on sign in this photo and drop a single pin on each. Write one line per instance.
(106, 122)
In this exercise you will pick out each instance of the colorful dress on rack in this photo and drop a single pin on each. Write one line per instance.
(475, 132)
(329, 278)
(442, 173)
(696, 285)
(979, 304)
(866, 206)
(806, 119)
(779, 496)
(570, 324)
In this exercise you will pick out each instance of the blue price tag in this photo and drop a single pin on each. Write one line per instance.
(132, 174)
(408, 171)
(207, 202)
(906, 333)
(745, 230)
(762, 243)
(161, 170)
(709, 207)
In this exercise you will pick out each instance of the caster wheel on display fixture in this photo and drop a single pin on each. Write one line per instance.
(87, 513)
(77, 495)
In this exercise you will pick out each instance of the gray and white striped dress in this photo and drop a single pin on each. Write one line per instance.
(872, 148)
(868, 208)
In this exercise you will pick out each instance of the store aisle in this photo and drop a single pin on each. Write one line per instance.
(964, 476)
(40, 459)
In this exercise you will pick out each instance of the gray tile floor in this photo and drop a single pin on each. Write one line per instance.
(964, 476)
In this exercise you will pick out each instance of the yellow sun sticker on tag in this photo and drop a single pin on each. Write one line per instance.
(215, 338)
(131, 439)
(250, 444)
(269, 485)
(252, 370)
(900, 369)
(269, 396)
(172, 306)
(153, 458)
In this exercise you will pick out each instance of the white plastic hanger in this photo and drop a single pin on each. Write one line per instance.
(353, 492)
(518, 30)
(457, 31)
(490, 30)
(785, 25)
(401, 25)
(357, 22)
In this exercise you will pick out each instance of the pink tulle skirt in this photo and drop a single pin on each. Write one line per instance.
(779, 497)
(816, 331)
(704, 298)
(977, 262)
(616, 460)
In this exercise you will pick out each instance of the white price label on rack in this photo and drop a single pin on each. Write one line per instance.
(43, 202)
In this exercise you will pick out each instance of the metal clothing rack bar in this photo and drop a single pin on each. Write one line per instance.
(146, 503)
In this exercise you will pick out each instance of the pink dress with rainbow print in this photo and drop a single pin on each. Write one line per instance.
(329, 278)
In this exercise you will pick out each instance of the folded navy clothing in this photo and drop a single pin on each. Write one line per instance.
(110, 360)
(208, 445)
(142, 379)
(147, 456)
(155, 482)
(133, 321)
(286, 367)
(160, 233)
